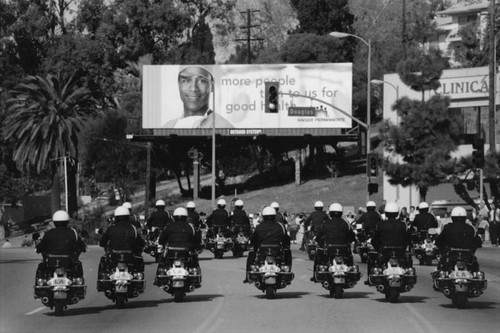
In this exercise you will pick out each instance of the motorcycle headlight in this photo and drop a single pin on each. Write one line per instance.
(40, 282)
(480, 275)
(285, 268)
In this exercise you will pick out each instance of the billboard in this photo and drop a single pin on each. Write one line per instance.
(238, 96)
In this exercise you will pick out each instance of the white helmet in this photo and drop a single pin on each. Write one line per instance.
(127, 205)
(458, 212)
(391, 207)
(371, 204)
(250, 216)
(191, 204)
(160, 203)
(318, 204)
(268, 211)
(221, 202)
(336, 207)
(239, 203)
(180, 211)
(275, 205)
(122, 211)
(60, 216)
(423, 205)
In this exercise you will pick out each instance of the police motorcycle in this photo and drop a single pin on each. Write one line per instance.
(177, 274)
(269, 272)
(219, 241)
(311, 245)
(457, 278)
(392, 272)
(425, 249)
(241, 241)
(363, 244)
(59, 279)
(337, 272)
(152, 247)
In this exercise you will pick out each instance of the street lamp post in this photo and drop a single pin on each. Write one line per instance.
(338, 34)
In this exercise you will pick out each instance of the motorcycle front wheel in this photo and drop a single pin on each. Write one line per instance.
(270, 292)
(58, 308)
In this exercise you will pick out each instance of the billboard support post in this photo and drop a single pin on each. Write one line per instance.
(213, 148)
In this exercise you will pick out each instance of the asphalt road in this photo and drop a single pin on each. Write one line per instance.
(225, 304)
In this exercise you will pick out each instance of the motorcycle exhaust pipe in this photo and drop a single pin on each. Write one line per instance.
(166, 288)
(351, 284)
(447, 292)
(45, 300)
(408, 287)
(380, 287)
(257, 284)
(476, 293)
(326, 285)
(283, 284)
(108, 293)
(75, 300)
(191, 288)
(135, 293)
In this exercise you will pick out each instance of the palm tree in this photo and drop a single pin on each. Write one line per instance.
(44, 118)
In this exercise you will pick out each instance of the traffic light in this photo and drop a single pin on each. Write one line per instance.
(372, 165)
(478, 153)
(272, 89)
(372, 188)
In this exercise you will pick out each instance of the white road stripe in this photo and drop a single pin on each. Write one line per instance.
(415, 325)
(422, 319)
(35, 311)
(220, 303)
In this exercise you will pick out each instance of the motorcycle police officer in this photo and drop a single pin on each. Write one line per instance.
(239, 218)
(371, 219)
(458, 234)
(182, 235)
(391, 232)
(62, 240)
(334, 231)
(219, 219)
(159, 218)
(123, 236)
(133, 218)
(424, 220)
(314, 220)
(269, 232)
(279, 216)
(193, 216)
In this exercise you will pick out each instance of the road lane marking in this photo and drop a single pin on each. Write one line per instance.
(417, 314)
(215, 326)
(35, 311)
(414, 323)
(213, 315)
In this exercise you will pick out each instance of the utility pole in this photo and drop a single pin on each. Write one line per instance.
(404, 29)
(249, 38)
(492, 75)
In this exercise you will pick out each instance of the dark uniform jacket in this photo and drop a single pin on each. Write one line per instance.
(423, 221)
(122, 236)
(335, 231)
(218, 218)
(459, 235)
(61, 241)
(270, 233)
(370, 220)
(240, 218)
(194, 218)
(180, 234)
(316, 219)
(391, 232)
(159, 219)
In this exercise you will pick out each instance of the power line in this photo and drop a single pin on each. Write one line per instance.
(249, 38)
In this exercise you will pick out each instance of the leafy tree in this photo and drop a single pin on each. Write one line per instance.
(424, 139)
(44, 117)
(323, 16)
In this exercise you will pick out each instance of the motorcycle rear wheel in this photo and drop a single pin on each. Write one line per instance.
(178, 296)
(120, 301)
(428, 261)
(336, 292)
(58, 308)
(393, 295)
(218, 254)
(270, 292)
(311, 256)
(364, 259)
(460, 301)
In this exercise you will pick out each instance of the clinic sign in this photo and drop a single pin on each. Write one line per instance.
(234, 96)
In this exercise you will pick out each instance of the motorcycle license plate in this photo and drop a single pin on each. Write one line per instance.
(462, 275)
(338, 280)
(178, 284)
(60, 295)
(59, 282)
(121, 288)
(270, 280)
